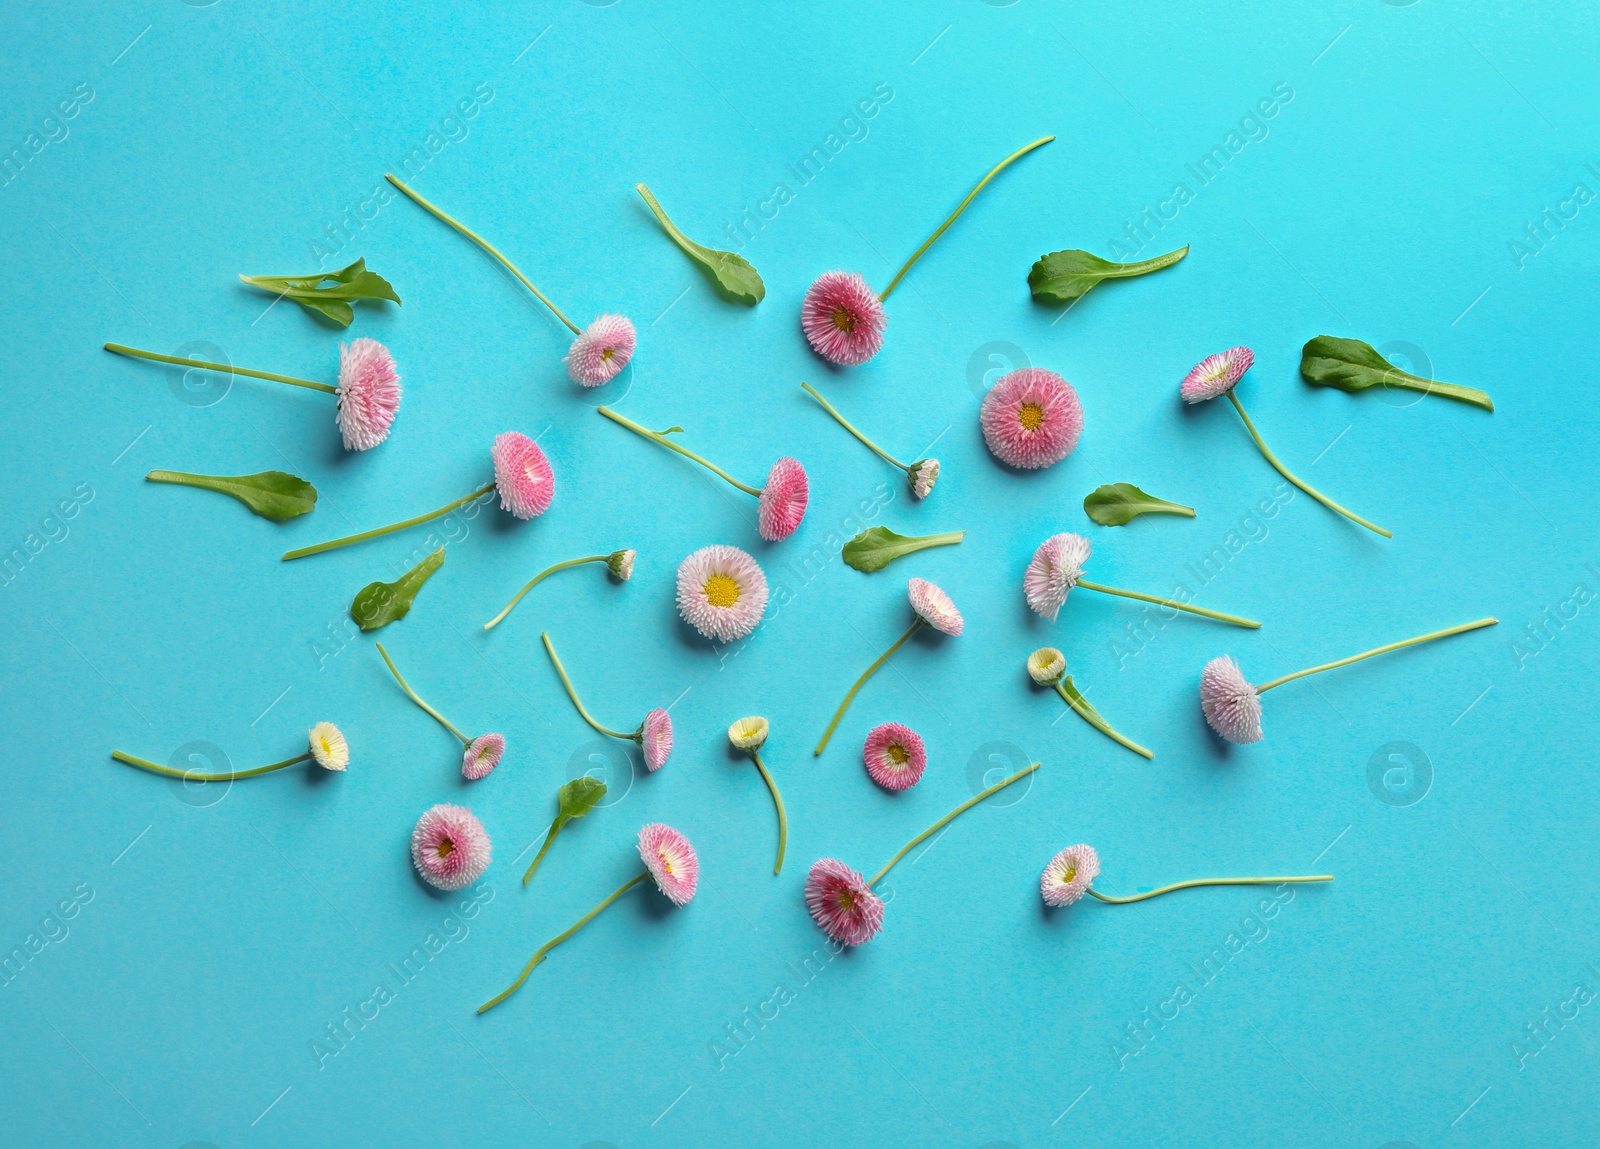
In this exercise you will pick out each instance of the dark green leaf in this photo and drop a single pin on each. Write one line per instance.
(1063, 276)
(732, 273)
(328, 293)
(578, 797)
(1352, 365)
(1114, 504)
(273, 495)
(877, 547)
(380, 603)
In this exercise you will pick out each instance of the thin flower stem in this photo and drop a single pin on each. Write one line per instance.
(487, 246)
(555, 828)
(998, 168)
(539, 954)
(658, 437)
(1466, 626)
(1210, 882)
(671, 228)
(406, 686)
(192, 776)
(860, 682)
(1092, 717)
(777, 800)
(942, 822)
(389, 530)
(539, 578)
(1287, 474)
(573, 694)
(1216, 614)
(846, 424)
(135, 353)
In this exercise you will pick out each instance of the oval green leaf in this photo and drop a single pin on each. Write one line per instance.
(1063, 276)
(274, 495)
(379, 603)
(877, 547)
(732, 274)
(328, 293)
(1351, 365)
(1115, 504)
(578, 797)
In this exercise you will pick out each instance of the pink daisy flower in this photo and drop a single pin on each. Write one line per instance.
(783, 500)
(1231, 704)
(842, 318)
(522, 475)
(1069, 875)
(450, 847)
(369, 393)
(842, 903)
(1054, 571)
(1031, 418)
(722, 592)
(602, 350)
(655, 738)
(1216, 374)
(482, 755)
(934, 607)
(895, 756)
(671, 861)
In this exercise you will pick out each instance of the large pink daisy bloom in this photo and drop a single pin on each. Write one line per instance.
(522, 475)
(1069, 875)
(842, 903)
(783, 500)
(450, 847)
(934, 607)
(602, 350)
(671, 861)
(842, 318)
(482, 755)
(1054, 571)
(722, 592)
(1216, 374)
(1231, 704)
(655, 738)
(895, 756)
(369, 393)
(1031, 418)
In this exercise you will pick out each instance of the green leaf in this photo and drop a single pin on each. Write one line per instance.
(578, 797)
(328, 293)
(732, 273)
(1063, 276)
(273, 495)
(1114, 504)
(379, 603)
(1352, 365)
(877, 547)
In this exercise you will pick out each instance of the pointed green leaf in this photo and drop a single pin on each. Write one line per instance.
(732, 273)
(1063, 276)
(1352, 365)
(578, 797)
(379, 603)
(273, 495)
(328, 293)
(877, 547)
(1114, 504)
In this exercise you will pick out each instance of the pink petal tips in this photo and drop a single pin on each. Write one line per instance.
(842, 903)
(934, 607)
(671, 861)
(369, 393)
(601, 351)
(783, 500)
(655, 738)
(722, 593)
(1031, 418)
(450, 847)
(482, 755)
(1069, 875)
(522, 475)
(842, 318)
(924, 473)
(895, 756)
(1216, 374)
(1232, 706)
(1054, 571)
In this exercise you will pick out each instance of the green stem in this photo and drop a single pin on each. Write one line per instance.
(573, 694)
(135, 353)
(487, 246)
(1466, 626)
(860, 682)
(1216, 614)
(845, 423)
(389, 530)
(677, 237)
(658, 437)
(406, 686)
(191, 776)
(539, 578)
(1080, 706)
(998, 168)
(555, 828)
(1210, 882)
(539, 955)
(1306, 487)
(942, 822)
(777, 800)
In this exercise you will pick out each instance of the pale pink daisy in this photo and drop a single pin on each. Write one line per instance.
(602, 350)
(1231, 704)
(369, 393)
(1031, 418)
(722, 592)
(671, 861)
(1055, 570)
(655, 738)
(482, 755)
(842, 318)
(1069, 875)
(923, 475)
(895, 756)
(842, 903)
(522, 475)
(1216, 374)
(934, 607)
(783, 500)
(450, 847)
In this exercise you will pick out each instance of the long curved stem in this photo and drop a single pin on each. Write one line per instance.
(777, 800)
(538, 578)
(1210, 882)
(996, 170)
(942, 822)
(846, 424)
(135, 353)
(658, 437)
(406, 686)
(1290, 475)
(1216, 614)
(487, 246)
(1446, 633)
(860, 682)
(549, 839)
(191, 776)
(539, 954)
(573, 694)
(335, 544)
(1080, 706)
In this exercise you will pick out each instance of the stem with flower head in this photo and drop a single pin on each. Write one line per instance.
(661, 437)
(777, 800)
(637, 736)
(1216, 614)
(846, 424)
(335, 544)
(135, 353)
(412, 694)
(827, 734)
(192, 776)
(1080, 706)
(1209, 882)
(948, 818)
(539, 578)
(1446, 633)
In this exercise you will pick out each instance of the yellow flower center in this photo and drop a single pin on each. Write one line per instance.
(446, 848)
(847, 900)
(606, 354)
(1068, 874)
(897, 753)
(1031, 416)
(843, 320)
(720, 590)
(326, 749)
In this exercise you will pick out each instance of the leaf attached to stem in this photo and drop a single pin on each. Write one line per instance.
(274, 495)
(1352, 365)
(732, 273)
(1114, 504)
(379, 603)
(877, 547)
(328, 293)
(1063, 276)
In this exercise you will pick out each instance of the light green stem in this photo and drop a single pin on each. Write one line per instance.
(860, 682)
(1216, 614)
(777, 800)
(677, 237)
(555, 828)
(406, 686)
(1086, 712)
(389, 530)
(658, 437)
(846, 424)
(191, 776)
(1210, 882)
(573, 694)
(135, 353)
(539, 578)
(942, 822)
(1466, 626)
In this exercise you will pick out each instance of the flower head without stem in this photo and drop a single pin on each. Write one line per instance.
(895, 756)
(369, 393)
(1231, 704)
(671, 861)
(482, 755)
(1069, 875)
(842, 903)
(783, 500)
(1056, 567)
(602, 350)
(620, 564)
(450, 847)
(1216, 374)
(655, 738)
(328, 747)
(748, 734)
(522, 475)
(722, 592)
(1031, 418)
(924, 473)
(1046, 665)
(934, 607)
(842, 318)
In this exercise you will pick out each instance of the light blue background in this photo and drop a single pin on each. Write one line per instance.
(228, 928)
